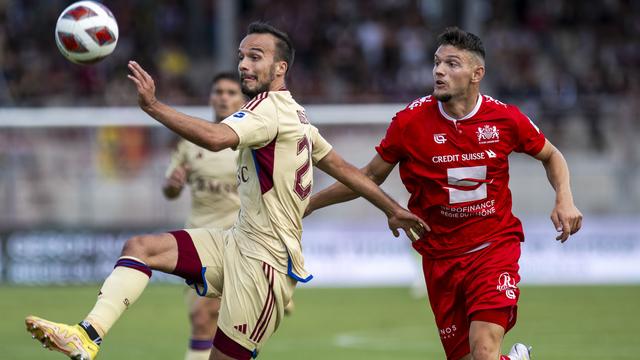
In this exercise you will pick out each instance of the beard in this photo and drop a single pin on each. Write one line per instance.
(260, 86)
(442, 97)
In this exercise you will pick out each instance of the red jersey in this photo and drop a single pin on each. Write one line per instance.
(457, 170)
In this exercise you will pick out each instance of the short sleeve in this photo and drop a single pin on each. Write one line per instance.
(255, 128)
(530, 139)
(320, 147)
(178, 157)
(391, 147)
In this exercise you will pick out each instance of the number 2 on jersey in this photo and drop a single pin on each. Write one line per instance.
(300, 189)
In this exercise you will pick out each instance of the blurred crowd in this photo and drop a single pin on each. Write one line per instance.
(573, 66)
(553, 57)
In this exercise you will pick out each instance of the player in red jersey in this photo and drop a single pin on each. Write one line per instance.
(452, 147)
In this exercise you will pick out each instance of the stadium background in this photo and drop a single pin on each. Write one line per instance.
(81, 167)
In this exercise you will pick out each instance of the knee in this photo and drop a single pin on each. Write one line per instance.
(214, 308)
(485, 339)
(484, 350)
(203, 321)
(137, 246)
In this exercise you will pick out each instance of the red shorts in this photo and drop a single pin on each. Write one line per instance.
(481, 285)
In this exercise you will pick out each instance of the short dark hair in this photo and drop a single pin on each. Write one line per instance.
(462, 40)
(225, 76)
(284, 47)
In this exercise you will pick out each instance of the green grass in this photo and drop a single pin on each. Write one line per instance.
(561, 323)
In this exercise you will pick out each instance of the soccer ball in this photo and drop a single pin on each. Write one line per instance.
(86, 32)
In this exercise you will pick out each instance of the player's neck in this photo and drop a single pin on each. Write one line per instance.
(460, 107)
(277, 84)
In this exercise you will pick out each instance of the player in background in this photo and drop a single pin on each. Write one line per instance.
(211, 177)
(453, 147)
(254, 266)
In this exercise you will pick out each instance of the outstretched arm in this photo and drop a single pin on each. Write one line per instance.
(334, 165)
(377, 170)
(565, 216)
(214, 137)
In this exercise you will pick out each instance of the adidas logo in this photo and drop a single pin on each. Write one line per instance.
(242, 328)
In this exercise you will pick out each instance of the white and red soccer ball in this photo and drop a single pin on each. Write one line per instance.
(86, 32)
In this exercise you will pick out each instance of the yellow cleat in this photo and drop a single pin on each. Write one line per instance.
(70, 340)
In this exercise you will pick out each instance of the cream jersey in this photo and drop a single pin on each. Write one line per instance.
(213, 184)
(278, 147)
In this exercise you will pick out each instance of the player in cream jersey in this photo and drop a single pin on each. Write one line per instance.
(211, 177)
(254, 266)
(278, 147)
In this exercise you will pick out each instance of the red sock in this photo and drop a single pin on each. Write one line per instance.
(504, 357)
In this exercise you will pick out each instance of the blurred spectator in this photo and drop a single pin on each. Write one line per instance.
(558, 90)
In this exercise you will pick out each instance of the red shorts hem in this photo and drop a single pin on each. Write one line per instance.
(505, 317)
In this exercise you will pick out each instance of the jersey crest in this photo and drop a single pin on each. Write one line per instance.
(488, 134)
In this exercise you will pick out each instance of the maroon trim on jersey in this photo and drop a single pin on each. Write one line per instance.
(264, 159)
(189, 266)
(267, 310)
(247, 103)
(259, 100)
(229, 347)
(253, 103)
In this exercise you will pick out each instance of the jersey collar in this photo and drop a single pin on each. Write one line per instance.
(468, 116)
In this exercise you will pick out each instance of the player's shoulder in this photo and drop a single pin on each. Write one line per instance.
(419, 104)
(500, 107)
(512, 113)
(416, 108)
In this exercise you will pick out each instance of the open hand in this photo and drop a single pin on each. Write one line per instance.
(144, 84)
(412, 225)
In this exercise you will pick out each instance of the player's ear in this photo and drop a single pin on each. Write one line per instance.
(281, 68)
(478, 73)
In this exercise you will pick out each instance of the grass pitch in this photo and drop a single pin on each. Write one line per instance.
(561, 322)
